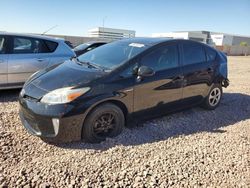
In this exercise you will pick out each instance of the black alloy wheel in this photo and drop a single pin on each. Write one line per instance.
(106, 120)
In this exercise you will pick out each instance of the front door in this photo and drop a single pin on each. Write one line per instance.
(28, 55)
(3, 62)
(161, 92)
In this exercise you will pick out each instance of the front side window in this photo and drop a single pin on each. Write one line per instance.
(193, 53)
(24, 45)
(112, 55)
(165, 57)
(2, 45)
(129, 71)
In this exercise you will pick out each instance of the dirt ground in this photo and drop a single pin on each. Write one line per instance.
(193, 148)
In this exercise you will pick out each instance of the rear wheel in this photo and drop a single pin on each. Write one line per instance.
(104, 121)
(213, 98)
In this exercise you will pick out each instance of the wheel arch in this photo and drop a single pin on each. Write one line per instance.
(118, 103)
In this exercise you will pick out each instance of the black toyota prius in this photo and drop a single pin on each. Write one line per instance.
(96, 95)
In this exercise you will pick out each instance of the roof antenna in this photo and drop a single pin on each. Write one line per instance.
(49, 29)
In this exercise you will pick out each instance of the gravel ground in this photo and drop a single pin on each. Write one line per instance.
(193, 148)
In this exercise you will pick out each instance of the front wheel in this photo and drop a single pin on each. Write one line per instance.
(104, 121)
(214, 97)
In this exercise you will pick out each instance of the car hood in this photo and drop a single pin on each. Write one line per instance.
(68, 74)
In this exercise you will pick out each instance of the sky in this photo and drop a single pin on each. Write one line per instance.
(76, 17)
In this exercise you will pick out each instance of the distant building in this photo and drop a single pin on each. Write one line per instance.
(111, 33)
(200, 36)
(211, 38)
(192, 35)
(222, 39)
(228, 43)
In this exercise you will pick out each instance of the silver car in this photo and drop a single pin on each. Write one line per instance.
(21, 55)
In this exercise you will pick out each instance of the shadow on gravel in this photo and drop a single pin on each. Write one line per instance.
(234, 107)
(10, 95)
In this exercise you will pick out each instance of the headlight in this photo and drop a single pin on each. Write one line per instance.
(63, 95)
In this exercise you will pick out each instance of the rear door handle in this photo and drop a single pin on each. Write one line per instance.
(210, 70)
(177, 78)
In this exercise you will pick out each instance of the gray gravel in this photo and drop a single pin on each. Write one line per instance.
(193, 148)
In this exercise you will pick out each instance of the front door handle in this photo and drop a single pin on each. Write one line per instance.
(40, 59)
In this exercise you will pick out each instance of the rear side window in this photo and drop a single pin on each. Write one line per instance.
(193, 53)
(211, 54)
(2, 45)
(26, 45)
(51, 45)
(165, 57)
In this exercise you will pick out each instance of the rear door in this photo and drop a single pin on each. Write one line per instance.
(28, 55)
(198, 72)
(3, 61)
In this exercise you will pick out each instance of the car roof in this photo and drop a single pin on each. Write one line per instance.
(32, 35)
(154, 41)
(146, 40)
(94, 42)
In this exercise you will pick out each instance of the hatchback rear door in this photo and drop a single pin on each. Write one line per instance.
(28, 55)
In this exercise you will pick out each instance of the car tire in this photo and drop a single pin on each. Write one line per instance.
(106, 120)
(213, 98)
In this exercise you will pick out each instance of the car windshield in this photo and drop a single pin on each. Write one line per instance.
(81, 47)
(112, 55)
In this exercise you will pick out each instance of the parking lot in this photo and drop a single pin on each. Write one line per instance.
(190, 148)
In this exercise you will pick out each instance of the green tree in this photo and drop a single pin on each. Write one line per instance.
(243, 44)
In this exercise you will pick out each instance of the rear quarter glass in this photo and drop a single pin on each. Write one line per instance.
(51, 45)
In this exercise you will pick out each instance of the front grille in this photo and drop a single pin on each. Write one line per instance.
(30, 120)
(30, 98)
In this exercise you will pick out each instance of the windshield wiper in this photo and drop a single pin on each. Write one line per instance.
(86, 63)
(92, 65)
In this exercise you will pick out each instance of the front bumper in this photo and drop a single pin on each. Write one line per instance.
(50, 121)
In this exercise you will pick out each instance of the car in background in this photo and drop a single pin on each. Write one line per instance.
(21, 55)
(83, 48)
(69, 44)
(124, 81)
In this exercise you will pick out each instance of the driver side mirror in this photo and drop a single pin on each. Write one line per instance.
(145, 71)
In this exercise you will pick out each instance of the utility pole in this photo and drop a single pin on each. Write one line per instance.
(103, 22)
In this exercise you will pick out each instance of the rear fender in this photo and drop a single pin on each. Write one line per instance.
(223, 65)
(223, 70)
